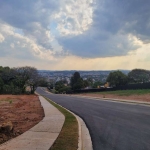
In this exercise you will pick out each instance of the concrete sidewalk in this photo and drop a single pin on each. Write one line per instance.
(42, 135)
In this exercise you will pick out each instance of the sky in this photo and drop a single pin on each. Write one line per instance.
(75, 34)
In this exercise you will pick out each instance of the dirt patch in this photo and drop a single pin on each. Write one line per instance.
(143, 98)
(23, 111)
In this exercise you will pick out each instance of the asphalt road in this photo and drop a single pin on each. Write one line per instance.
(112, 125)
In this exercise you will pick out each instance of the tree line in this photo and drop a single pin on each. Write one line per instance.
(16, 80)
(115, 78)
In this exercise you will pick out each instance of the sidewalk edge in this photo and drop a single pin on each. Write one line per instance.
(83, 143)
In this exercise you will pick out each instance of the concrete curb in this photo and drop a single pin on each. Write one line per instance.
(84, 141)
(42, 135)
(85, 135)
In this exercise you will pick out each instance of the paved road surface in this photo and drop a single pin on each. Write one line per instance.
(112, 125)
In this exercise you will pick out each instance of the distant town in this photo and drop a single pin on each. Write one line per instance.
(55, 76)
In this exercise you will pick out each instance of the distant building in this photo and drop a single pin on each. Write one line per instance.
(106, 85)
(68, 80)
(58, 79)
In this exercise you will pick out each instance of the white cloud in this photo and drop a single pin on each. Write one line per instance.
(12, 45)
(74, 17)
(20, 46)
(30, 25)
(1, 38)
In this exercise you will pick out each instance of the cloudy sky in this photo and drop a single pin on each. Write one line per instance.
(75, 34)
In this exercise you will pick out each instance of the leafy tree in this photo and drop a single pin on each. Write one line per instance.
(7, 89)
(139, 76)
(97, 84)
(27, 76)
(61, 88)
(7, 75)
(85, 83)
(33, 79)
(15, 80)
(117, 78)
(50, 85)
(64, 90)
(59, 85)
(42, 82)
(76, 81)
(90, 81)
(1, 85)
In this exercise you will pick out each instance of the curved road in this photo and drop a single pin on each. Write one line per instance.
(112, 125)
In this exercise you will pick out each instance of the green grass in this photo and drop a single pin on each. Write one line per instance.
(10, 101)
(125, 92)
(6, 100)
(68, 137)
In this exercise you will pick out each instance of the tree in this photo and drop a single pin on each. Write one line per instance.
(117, 78)
(15, 80)
(1, 85)
(85, 83)
(139, 76)
(97, 84)
(42, 82)
(33, 79)
(76, 81)
(61, 88)
(59, 85)
(7, 74)
(27, 76)
(90, 81)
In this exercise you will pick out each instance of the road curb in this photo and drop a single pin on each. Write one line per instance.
(84, 141)
(114, 100)
(128, 101)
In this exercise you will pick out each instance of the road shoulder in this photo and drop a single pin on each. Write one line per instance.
(114, 100)
(84, 140)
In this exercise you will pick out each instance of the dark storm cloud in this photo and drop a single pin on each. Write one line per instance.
(131, 16)
(20, 13)
(113, 22)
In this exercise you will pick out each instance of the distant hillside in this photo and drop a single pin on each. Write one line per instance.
(94, 75)
(82, 72)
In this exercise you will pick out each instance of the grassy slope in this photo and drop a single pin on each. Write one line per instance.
(68, 137)
(125, 92)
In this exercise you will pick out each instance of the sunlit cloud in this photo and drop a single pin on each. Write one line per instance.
(69, 34)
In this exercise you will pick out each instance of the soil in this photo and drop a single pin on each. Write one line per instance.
(142, 98)
(23, 111)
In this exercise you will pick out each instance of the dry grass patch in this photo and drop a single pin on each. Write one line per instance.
(21, 111)
(137, 95)
(68, 137)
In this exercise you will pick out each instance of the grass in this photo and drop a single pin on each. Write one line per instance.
(10, 101)
(68, 137)
(6, 100)
(125, 92)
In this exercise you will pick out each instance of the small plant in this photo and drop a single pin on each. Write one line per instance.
(104, 96)
(10, 101)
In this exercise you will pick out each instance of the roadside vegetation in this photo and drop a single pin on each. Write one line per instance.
(76, 83)
(114, 79)
(68, 137)
(8, 100)
(117, 78)
(18, 80)
(125, 92)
